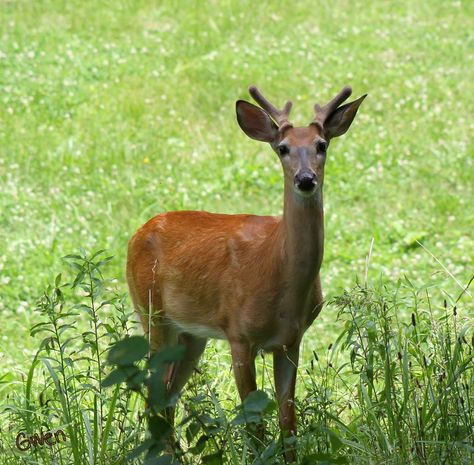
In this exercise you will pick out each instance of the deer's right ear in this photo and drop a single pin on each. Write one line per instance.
(255, 122)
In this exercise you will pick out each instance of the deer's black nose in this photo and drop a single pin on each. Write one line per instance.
(305, 181)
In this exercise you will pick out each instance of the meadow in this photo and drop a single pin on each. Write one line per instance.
(112, 112)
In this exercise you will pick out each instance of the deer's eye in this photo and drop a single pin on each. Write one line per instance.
(321, 146)
(283, 150)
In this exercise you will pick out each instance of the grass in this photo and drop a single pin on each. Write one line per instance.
(111, 113)
(390, 390)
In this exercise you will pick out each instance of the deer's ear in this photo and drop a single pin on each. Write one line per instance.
(339, 121)
(255, 122)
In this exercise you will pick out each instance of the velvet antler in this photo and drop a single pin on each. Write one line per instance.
(321, 113)
(280, 116)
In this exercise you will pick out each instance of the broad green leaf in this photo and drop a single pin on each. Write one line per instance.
(128, 351)
(159, 428)
(114, 377)
(213, 459)
(166, 356)
(256, 402)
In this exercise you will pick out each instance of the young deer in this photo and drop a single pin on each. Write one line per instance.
(253, 280)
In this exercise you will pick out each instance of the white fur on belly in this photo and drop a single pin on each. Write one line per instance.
(200, 330)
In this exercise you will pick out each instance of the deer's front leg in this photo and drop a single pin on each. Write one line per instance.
(243, 362)
(285, 365)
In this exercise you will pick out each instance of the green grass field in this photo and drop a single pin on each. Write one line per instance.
(111, 112)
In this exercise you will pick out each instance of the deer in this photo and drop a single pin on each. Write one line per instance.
(251, 280)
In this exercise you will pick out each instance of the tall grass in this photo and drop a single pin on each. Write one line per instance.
(63, 388)
(413, 375)
(395, 387)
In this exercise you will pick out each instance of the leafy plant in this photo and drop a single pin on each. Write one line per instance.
(64, 386)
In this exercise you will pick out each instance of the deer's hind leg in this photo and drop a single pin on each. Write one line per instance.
(163, 334)
(182, 370)
(159, 332)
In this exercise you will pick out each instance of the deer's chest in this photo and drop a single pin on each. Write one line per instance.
(281, 323)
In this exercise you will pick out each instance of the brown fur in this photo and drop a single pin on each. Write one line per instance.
(221, 267)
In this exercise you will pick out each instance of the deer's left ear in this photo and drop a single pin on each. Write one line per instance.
(339, 121)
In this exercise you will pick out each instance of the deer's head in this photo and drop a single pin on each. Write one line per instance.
(302, 150)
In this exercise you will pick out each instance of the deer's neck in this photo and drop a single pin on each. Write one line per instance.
(302, 234)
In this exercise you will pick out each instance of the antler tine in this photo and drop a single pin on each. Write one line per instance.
(321, 113)
(280, 116)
